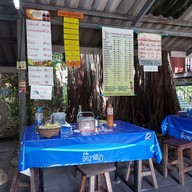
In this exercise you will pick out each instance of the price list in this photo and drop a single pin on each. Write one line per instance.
(118, 64)
(40, 75)
(39, 45)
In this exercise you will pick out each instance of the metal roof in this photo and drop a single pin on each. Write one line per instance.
(171, 18)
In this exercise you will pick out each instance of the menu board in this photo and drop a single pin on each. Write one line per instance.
(71, 41)
(41, 92)
(39, 46)
(40, 75)
(149, 49)
(39, 40)
(118, 62)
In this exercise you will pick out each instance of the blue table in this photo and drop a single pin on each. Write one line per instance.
(123, 142)
(177, 126)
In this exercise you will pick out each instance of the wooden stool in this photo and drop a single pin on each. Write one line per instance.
(141, 173)
(177, 164)
(96, 170)
(16, 183)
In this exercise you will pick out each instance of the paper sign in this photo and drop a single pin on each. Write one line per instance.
(149, 49)
(40, 75)
(150, 68)
(41, 92)
(118, 65)
(39, 45)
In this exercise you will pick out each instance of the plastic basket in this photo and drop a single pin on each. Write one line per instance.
(48, 132)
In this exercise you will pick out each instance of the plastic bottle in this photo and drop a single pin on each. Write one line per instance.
(39, 116)
(110, 115)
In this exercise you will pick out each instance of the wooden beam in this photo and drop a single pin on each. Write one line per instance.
(9, 17)
(158, 31)
(22, 74)
(8, 69)
(189, 51)
(7, 40)
(85, 12)
(6, 3)
(143, 11)
(151, 19)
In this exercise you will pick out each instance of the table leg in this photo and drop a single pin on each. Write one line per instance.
(36, 180)
(136, 176)
(41, 180)
(116, 180)
(33, 183)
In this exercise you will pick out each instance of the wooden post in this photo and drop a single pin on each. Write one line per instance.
(21, 73)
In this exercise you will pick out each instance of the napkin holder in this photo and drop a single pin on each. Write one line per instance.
(86, 121)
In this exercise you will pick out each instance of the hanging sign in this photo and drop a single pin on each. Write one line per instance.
(118, 64)
(150, 68)
(71, 41)
(70, 14)
(71, 36)
(39, 47)
(40, 75)
(41, 92)
(149, 49)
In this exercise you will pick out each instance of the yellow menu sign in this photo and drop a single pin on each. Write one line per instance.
(71, 41)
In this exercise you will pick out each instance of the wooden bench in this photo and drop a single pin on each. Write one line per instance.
(142, 173)
(96, 170)
(178, 163)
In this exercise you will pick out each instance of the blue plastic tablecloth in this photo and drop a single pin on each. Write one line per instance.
(123, 142)
(177, 126)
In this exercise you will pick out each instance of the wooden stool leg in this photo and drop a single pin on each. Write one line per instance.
(139, 174)
(108, 182)
(190, 154)
(127, 171)
(99, 183)
(153, 174)
(34, 180)
(92, 184)
(165, 159)
(180, 166)
(83, 184)
(15, 181)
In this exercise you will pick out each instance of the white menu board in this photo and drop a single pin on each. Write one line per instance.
(149, 49)
(40, 75)
(41, 92)
(118, 62)
(39, 45)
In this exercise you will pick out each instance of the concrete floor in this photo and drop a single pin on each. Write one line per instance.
(64, 179)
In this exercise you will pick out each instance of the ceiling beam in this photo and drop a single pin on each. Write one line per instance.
(10, 17)
(100, 14)
(6, 3)
(8, 69)
(147, 19)
(189, 51)
(7, 40)
(158, 31)
(143, 11)
(85, 12)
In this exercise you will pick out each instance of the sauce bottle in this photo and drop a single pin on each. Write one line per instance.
(110, 115)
